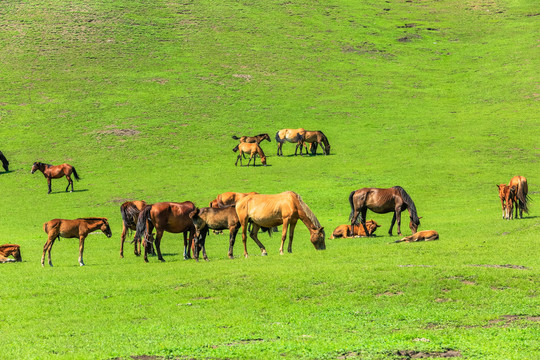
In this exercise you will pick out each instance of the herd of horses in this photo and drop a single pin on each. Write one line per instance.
(246, 212)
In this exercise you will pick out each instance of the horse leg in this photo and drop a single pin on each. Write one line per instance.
(49, 185)
(233, 230)
(122, 239)
(244, 224)
(284, 234)
(392, 224)
(159, 234)
(70, 182)
(279, 145)
(292, 225)
(239, 158)
(253, 234)
(398, 219)
(81, 250)
(363, 214)
(187, 250)
(47, 248)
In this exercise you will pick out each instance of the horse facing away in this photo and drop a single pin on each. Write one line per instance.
(130, 213)
(56, 172)
(172, 217)
(383, 201)
(425, 235)
(292, 136)
(278, 209)
(5, 162)
(515, 192)
(253, 139)
(253, 149)
(10, 250)
(347, 231)
(78, 228)
(315, 138)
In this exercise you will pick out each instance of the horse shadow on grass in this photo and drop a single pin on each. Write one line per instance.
(63, 192)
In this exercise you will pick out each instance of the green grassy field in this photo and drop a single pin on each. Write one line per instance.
(439, 97)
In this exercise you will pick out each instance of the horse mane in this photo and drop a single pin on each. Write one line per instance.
(93, 219)
(410, 204)
(311, 216)
(324, 138)
(262, 134)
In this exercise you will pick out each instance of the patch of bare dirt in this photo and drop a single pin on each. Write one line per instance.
(406, 26)
(507, 320)
(389, 293)
(349, 355)
(413, 354)
(506, 266)
(409, 38)
(119, 132)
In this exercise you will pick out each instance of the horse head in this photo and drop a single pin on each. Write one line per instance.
(106, 228)
(317, 238)
(263, 160)
(266, 137)
(198, 221)
(372, 226)
(327, 150)
(35, 167)
(413, 225)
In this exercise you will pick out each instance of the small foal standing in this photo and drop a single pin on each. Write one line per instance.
(56, 172)
(78, 228)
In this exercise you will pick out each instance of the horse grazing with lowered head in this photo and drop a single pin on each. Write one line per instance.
(292, 136)
(314, 139)
(253, 139)
(5, 162)
(383, 201)
(10, 250)
(56, 172)
(252, 149)
(78, 228)
(130, 211)
(516, 192)
(425, 235)
(349, 231)
(279, 209)
(172, 217)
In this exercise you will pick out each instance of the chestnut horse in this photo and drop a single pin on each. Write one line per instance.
(172, 217)
(315, 138)
(252, 149)
(253, 139)
(5, 162)
(10, 250)
(344, 231)
(424, 235)
(383, 201)
(292, 136)
(515, 192)
(78, 228)
(130, 213)
(56, 172)
(228, 198)
(278, 209)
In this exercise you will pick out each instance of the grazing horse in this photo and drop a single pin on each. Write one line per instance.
(130, 213)
(216, 219)
(315, 138)
(228, 198)
(172, 217)
(515, 192)
(5, 162)
(10, 250)
(253, 139)
(56, 172)
(278, 209)
(252, 149)
(347, 231)
(78, 228)
(292, 136)
(383, 201)
(425, 235)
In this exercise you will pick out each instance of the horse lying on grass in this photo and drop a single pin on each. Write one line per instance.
(344, 231)
(10, 250)
(425, 235)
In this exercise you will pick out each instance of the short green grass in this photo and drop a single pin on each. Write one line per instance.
(439, 97)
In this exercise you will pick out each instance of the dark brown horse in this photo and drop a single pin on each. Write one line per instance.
(165, 216)
(292, 136)
(10, 250)
(78, 228)
(5, 162)
(130, 213)
(315, 138)
(216, 219)
(56, 172)
(253, 139)
(252, 149)
(383, 201)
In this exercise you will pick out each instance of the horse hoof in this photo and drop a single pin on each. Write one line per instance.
(264, 253)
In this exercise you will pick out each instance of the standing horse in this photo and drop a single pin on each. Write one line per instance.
(56, 172)
(10, 250)
(78, 228)
(5, 162)
(515, 192)
(290, 135)
(165, 216)
(279, 209)
(228, 198)
(383, 201)
(253, 149)
(315, 138)
(253, 139)
(130, 213)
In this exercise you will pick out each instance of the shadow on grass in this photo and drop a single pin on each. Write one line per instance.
(64, 192)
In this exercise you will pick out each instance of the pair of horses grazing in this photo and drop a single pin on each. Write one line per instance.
(515, 193)
(10, 250)
(382, 201)
(5, 162)
(349, 231)
(56, 172)
(301, 137)
(252, 149)
(78, 228)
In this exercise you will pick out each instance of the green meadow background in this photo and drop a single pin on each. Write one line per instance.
(142, 97)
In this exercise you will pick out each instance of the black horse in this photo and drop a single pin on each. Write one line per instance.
(5, 162)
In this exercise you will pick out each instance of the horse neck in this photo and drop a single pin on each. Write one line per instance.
(260, 151)
(307, 221)
(94, 224)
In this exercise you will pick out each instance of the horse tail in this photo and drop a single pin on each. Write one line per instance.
(130, 213)
(142, 229)
(278, 139)
(46, 227)
(410, 204)
(236, 148)
(235, 137)
(523, 197)
(75, 173)
(353, 221)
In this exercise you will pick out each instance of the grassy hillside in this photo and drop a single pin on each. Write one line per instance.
(439, 97)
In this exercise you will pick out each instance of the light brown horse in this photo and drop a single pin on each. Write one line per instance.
(278, 209)
(10, 250)
(216, 219)
(516, 192)
(425, 235)
(252, 149)
(383, 201)
(253, 139)
(130, 213)
(172, 217)
(314, 139)
(228, 198)
(78, 228)
(56, 172)
(347, 231)
(292, 136)
(5, 162)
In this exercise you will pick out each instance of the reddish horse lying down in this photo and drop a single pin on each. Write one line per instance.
(425, 235)
(10, 250)
(344, 231)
